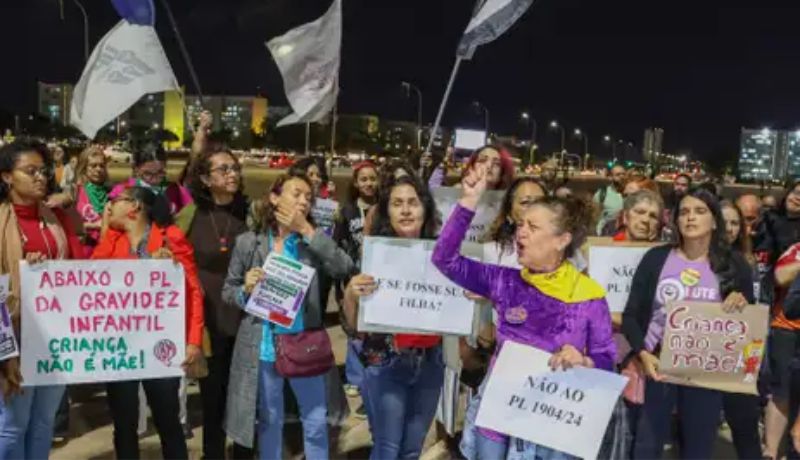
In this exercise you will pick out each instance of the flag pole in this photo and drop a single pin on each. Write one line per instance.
(446, 96)
(184, 51)
(308, 136)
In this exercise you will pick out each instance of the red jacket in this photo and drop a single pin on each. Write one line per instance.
(115, 245)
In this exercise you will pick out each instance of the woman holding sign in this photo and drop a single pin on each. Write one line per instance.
(30, 232)
(403, 372)
(700, 267)
(212, 224)
(138, 225)
(267, 353)
(547, 304)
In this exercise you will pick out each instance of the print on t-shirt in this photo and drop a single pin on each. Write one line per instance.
(680, 280)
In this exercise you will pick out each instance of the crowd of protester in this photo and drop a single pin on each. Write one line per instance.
(743, 250)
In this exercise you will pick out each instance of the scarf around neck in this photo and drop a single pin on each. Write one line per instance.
(565, 284)
(97, 195)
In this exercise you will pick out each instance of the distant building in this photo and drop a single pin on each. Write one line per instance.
(653, 145)
(793, 155)
(239, 114)
(55, 100)
(760, 154)
(398, 136)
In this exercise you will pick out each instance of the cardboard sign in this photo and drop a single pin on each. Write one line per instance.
(279, 297)
(612, 265)
(8, 342)
(705, 347)
(412, 294)
(102, 320)
(565, 410)
(324, 214)
(488, 208)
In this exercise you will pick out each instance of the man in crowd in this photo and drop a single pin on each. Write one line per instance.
(750, 206)
(609, 198)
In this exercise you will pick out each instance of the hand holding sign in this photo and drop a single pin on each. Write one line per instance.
(735, 302)
(252, 278)
(569, 357)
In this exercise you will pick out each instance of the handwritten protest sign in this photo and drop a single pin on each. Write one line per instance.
(488, 208)
(8, 342)
(613, 265)
(279, 297)
(412, 295)
(102, 320)
(705, 347)
(324, 212)
(564, 410)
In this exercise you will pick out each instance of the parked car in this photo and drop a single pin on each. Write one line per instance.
(281, 161)
(117, 155)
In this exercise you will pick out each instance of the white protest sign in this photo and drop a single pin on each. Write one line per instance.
(323, 212)
(279, 297)
(412, 294)
(488, 208)
(494, 253)
(612, 266)
(565, 410)
(102, 320)
(8, 342)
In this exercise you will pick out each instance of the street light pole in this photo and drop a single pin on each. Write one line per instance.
(85, 26)
(485, 116)
(585, 136)
(408, 86)
(554, 124)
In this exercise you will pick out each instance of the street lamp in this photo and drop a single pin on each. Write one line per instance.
(611, 141)
(408, 87)
(585, 137)
(554, 125)
(85, 26)
(528, 119)
(478, 105)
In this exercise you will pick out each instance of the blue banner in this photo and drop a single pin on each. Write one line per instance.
(141, 12)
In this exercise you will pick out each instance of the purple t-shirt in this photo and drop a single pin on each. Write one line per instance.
(680, 279)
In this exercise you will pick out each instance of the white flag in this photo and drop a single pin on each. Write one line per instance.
(491, 19)
(128, 63)
(308, 59)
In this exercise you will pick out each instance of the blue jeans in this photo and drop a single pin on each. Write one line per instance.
(311, 397)
(699, 416)
(353, 369)
(401, 399)
(26, 423)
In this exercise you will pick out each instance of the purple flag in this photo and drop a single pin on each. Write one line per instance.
(140, 12)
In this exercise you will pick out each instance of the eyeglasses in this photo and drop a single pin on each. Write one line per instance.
(33, 171)
(150, 176)
(228, 169)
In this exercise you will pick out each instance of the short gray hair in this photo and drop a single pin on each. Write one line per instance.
(643, 196)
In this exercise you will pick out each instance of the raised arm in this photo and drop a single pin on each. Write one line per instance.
(335, 262)
(473, 276)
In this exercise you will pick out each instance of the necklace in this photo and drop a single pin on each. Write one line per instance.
(223, 238)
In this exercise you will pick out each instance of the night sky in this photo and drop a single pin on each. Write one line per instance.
(700, 69)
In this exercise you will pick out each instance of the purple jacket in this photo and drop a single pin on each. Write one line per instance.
(547, 324)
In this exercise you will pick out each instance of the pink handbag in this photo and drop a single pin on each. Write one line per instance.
(634, 389)
(306, 354)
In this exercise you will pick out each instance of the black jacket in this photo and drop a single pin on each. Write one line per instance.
(348, 230)
(776, 233)
(791, 304)
(639, 309)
